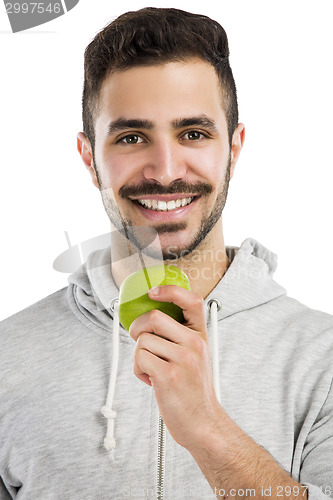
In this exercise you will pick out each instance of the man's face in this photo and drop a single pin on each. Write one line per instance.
(161, 136)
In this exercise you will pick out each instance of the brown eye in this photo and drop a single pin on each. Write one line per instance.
(193, 135)
(131, 139)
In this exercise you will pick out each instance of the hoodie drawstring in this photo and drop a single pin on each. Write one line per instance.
(214, 306)
(107, 410)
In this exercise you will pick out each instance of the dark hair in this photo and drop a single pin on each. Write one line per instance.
(155, 36)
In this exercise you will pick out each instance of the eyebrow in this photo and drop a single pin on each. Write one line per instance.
(133, 123)
(124, 124)
(193, 121)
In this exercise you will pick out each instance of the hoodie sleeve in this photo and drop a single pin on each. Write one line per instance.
(317, 462)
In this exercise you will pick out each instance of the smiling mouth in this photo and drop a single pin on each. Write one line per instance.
(164, 203)
(165, 206)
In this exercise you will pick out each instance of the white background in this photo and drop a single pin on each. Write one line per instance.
(281, 195)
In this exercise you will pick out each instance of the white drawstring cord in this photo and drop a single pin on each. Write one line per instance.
(214, 305)
(106, 410)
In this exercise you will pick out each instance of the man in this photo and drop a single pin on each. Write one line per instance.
(161, 141)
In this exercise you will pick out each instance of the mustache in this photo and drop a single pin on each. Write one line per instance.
(199, 188)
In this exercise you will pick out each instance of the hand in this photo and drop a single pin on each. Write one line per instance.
(174, 359)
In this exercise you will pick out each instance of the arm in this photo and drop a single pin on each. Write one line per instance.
(174, 358)
(235, 465)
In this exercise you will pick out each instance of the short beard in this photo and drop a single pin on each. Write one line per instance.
(137, 236)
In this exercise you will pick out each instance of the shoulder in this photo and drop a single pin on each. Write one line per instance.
(36, 340)
(296, 315)
(305, 337)
(37, 317)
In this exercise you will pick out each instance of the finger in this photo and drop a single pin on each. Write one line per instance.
(177, 337)
(147, 366)
(158, 323)
(190, 302)
(164, 349)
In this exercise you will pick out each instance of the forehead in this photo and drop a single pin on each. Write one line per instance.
(162, 92)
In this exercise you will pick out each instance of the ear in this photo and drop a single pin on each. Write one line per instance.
(84, 148)
(236, 146)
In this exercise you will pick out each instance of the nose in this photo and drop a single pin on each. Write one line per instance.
(165, 163)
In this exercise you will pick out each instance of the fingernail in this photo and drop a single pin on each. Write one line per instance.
(154, 291)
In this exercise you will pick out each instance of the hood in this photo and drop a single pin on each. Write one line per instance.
(247, 283)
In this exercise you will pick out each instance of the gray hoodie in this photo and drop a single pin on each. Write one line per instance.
(275, 372)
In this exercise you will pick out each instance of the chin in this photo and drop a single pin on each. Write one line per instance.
(176, 246)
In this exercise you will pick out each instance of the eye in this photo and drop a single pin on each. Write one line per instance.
(131, 139)
(193, 135)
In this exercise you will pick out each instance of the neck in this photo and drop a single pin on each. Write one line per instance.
(207, 264)
(204, 266)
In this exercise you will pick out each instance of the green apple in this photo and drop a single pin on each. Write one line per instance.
(134, 299)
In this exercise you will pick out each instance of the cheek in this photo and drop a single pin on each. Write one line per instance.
(113, 170)
(110, 167)
(211, 165)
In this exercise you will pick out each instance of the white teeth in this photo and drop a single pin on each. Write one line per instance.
(165, 206)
